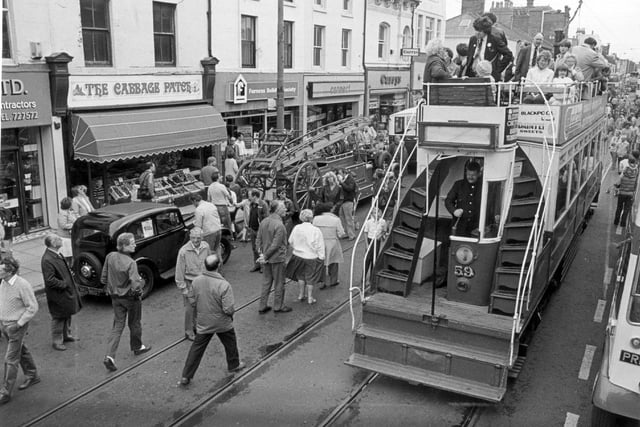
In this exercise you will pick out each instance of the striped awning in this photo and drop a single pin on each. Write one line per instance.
(117, 135)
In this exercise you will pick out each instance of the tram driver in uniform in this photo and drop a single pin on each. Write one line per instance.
(463, 201)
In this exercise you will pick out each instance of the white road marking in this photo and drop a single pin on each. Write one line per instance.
(587, 360)
(571, 420)
(608, 272)
(597, 317)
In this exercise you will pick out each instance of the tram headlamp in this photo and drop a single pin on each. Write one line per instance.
(635, 342)
(465, 255)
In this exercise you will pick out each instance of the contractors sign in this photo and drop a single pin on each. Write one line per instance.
(99, 91)
(25, 99)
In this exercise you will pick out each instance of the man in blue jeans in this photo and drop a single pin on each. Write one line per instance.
(18, 305)
(124, 285)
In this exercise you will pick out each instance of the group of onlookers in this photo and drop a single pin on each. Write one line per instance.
(488, 55)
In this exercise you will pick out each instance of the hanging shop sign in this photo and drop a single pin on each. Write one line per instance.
(334, 89)
(25, 100)
(241, 91)
(100, 91)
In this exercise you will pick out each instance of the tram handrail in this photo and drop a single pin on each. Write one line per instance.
(374, 206)
(525, 280)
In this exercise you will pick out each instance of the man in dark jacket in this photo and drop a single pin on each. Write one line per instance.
(463, 201)
(488, 46)
(272, 246)
(212, 299)
(626, 190)
(349, 194)
(62, 293)
(528, 57)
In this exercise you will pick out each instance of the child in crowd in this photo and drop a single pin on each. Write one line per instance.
(562, 81)
(376, 230)
(484, 69)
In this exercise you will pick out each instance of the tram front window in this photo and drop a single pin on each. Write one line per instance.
(495, 190)
(463, 201)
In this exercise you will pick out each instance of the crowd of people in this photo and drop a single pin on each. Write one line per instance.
(487, 55)
(623, 130)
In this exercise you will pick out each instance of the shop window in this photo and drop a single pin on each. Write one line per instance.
(563, 185)
(288, 44)
(346, 51)
(383, 41)
(6, 40)
(318, 46)
(164, 33)
(248, 36)
(96, 38)
(419, 31)
(429, 24)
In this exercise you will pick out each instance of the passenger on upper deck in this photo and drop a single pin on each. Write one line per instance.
(485, 45)
(588, 60)
(461, 60)
(436, 67)
(565, 47)
(463, 200)
(540, 74)
(571, 62)
(528, 57)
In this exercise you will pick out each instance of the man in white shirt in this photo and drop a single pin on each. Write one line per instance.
(207, 218)
(219, 195)
(18, 305)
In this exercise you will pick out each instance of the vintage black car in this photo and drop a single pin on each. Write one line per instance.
(160, 230)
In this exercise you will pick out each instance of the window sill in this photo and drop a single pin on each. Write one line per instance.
(346, 14)
(319, 9)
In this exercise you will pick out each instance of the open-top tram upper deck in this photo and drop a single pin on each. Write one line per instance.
(460, 277)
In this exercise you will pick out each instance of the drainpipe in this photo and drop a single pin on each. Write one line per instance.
(411, 88)
(209, 28)
(365, 109)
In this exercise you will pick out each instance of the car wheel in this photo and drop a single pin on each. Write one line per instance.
(88, 270)
(148, 279)
(225, 248)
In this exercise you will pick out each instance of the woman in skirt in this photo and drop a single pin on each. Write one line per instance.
(307, 262)
(332, 231)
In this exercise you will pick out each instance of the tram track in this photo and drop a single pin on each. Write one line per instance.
(272, 352)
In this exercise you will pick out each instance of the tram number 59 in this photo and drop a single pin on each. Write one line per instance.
(464, 271)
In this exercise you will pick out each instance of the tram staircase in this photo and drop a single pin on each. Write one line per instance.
(512, 253)
(462, 348)
(283, 151)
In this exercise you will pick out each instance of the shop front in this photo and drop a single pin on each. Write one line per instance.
(388, 93)
(28, 201)
(332, 98)
(247, 103)
(119, 123)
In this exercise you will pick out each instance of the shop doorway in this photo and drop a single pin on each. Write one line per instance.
(21, 188)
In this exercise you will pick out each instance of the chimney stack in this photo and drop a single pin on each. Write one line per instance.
(473, 7)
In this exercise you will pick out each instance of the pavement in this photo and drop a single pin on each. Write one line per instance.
(28, 251)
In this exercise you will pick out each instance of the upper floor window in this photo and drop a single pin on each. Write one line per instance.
(419, 31)
(319, 3)
(164, 34)
(406, 37)
(346, 48)
(248, 36)
(288, 44)
(383, 41)
(96, 38)
(429, 28)
(439, 28)
(318, 45)
(6, 41)
(346, 5)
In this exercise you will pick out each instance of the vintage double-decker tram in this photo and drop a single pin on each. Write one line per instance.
(541, 172)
